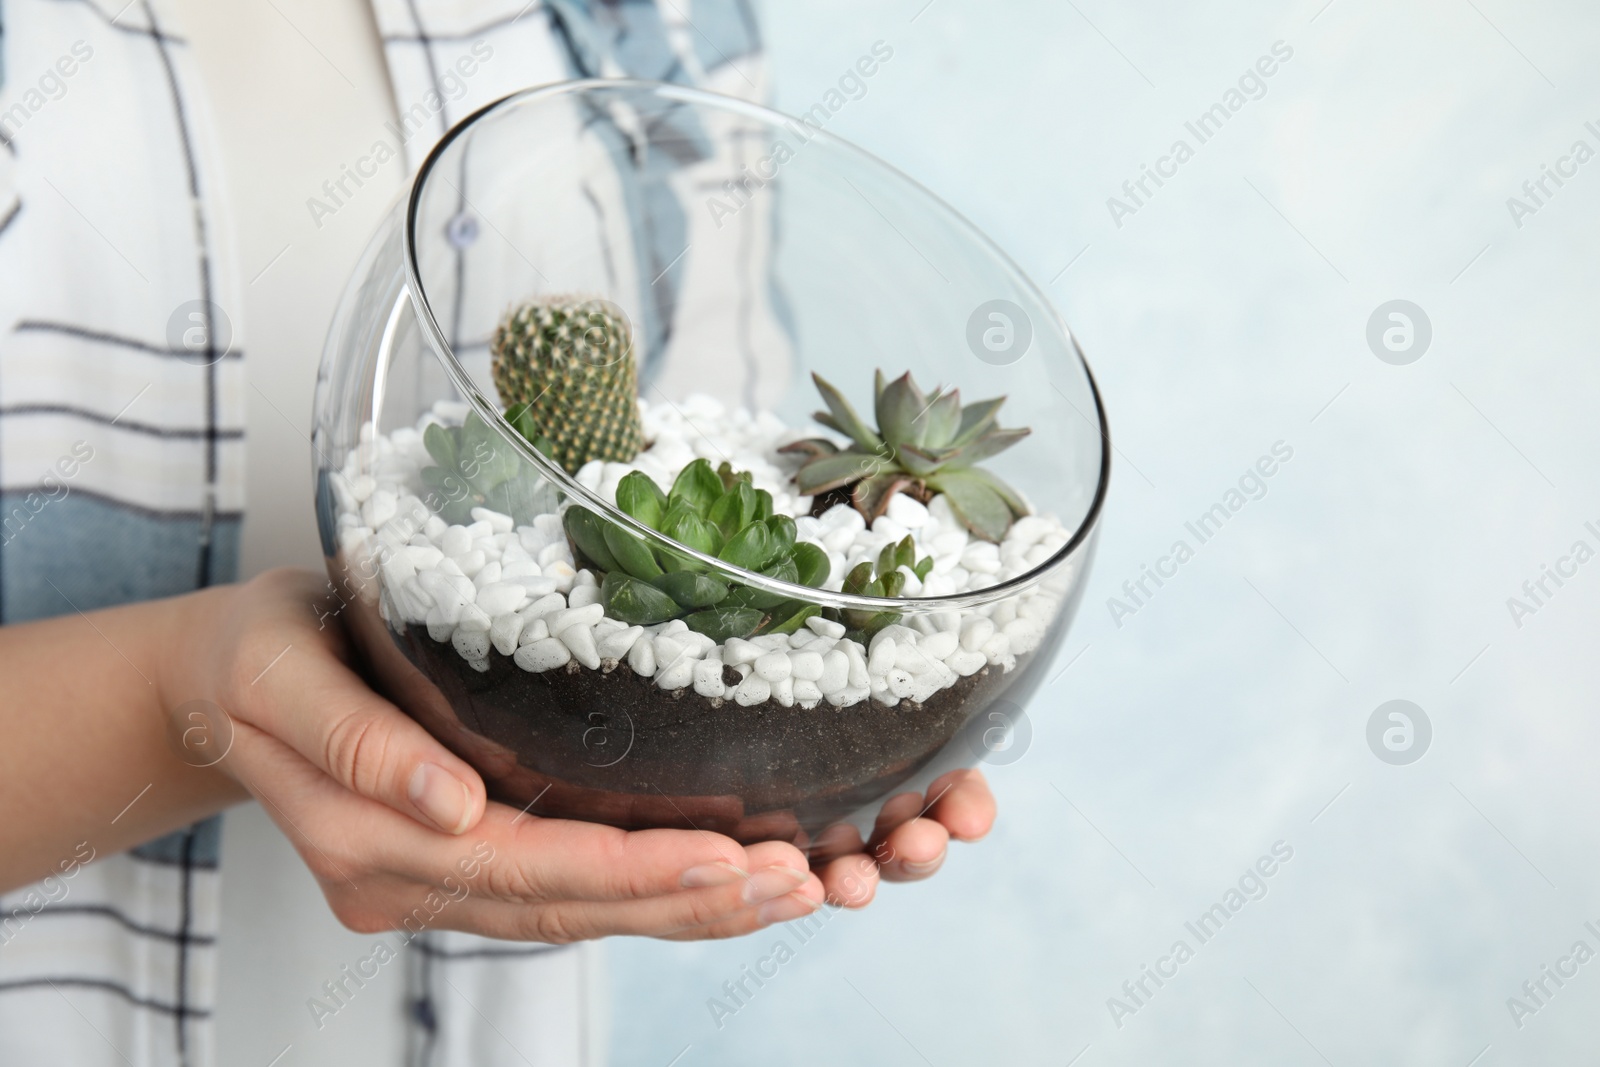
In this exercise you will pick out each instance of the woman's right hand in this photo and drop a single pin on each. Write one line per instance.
(395, 827)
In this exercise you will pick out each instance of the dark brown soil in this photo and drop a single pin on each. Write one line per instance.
(609, 746)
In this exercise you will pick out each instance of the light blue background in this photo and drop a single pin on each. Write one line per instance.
(1229, 313)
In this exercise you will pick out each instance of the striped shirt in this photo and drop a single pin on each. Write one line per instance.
(122, 438)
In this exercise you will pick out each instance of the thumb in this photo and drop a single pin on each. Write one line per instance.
(325, 712)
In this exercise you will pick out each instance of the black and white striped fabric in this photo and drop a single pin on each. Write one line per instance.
(122, 437)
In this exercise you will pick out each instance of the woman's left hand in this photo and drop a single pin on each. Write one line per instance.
(958, 806)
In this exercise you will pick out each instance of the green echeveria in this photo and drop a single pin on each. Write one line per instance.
(717, 513)
(922, 445)
(476, 467)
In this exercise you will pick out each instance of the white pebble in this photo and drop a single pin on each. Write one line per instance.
(738, 650)
(504, 632)
(583, 595)
(535, 630)
(642, 658)
(472, 644)
(379, 508)
(1025, 635)
(753, 690)
(543, 655)
(497, 598)
(618, 643)
(835, 672)
(471, 562)
(423, 557)
(940, 645)
(850, 696)
(806, 665)
(489, 575)
(825, 627)
(975, 632)
(859, 675)
(806, 693)
(474, 619)
(545, 605)
(708, 679)
(497, 522)
(966, 663)
(559, 621)
(439, 627)
(907, 511)
(670, 652)
(774, 666)
(911, 659)
(1028, 529)
(883, 657)
(561, 573)
(897, 633)
(455, 541)
(783, 692)
(997, 648)
(553, 553)
(676, 675)
(579, 640)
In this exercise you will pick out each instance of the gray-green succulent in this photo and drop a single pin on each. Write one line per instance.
(476, 467)
(922, 445)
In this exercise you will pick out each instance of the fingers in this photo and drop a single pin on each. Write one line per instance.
(321, 709)
(749, 902)
(559, 859)
(850, 881)
(912, 851)
(805, 901)
(963, 804)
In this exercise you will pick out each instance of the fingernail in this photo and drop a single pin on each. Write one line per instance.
(441, 796)
(792, 906)
(709, 874)
(923, 868)
(770, 882)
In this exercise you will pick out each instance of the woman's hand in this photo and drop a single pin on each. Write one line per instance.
(396, 828)
(958, 806)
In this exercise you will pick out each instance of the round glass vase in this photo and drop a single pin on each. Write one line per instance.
(817, 259)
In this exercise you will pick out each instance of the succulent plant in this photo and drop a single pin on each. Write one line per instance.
(477, 468)
(718, 513)
(882, 577)
(922, 445)
(570, 360)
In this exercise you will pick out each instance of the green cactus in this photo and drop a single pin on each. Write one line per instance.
(718, 513)
(570, 360)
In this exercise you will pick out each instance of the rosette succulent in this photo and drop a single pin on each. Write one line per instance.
(922, 445)
(476, 467)
(718, 513)
(569, 363)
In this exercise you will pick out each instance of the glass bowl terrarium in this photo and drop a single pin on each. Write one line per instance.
(670, 499)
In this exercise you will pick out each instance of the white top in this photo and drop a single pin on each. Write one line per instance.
(288, 110)
(286, 117)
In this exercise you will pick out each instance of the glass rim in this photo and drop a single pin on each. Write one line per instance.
(572, 489)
